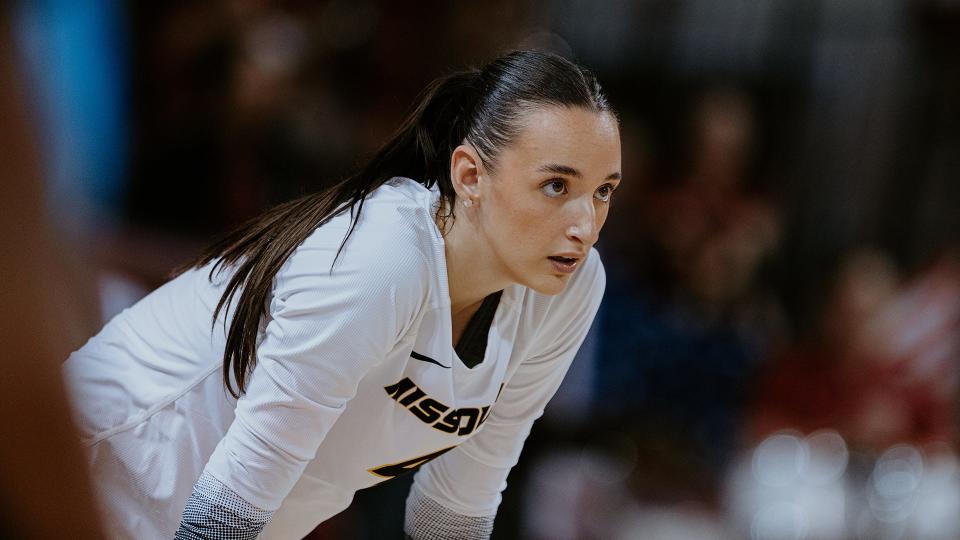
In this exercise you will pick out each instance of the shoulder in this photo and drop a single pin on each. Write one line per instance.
(393, 246)
(394, 220)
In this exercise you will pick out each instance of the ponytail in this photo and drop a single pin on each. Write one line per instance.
(480, 107)
(420, 150)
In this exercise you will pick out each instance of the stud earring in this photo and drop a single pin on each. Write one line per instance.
(468, 202)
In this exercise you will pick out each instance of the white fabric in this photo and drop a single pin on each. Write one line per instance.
(153, 411)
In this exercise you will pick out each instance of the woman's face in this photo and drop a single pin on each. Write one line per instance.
(542, 207)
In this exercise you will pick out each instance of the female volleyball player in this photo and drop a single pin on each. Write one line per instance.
(420, 313)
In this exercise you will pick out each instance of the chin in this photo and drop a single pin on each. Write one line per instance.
(550, 285)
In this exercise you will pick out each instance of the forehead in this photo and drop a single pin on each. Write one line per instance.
(574, 136)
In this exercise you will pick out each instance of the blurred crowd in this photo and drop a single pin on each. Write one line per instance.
(777, 353)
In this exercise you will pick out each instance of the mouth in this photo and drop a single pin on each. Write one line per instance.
(564, 265)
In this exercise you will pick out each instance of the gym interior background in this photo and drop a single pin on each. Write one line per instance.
(777, 352)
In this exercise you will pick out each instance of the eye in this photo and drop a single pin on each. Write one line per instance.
(604, 193)
(554, 188)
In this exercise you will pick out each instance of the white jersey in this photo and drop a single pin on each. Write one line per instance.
(356, 381)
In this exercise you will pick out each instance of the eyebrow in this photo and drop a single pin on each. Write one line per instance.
(556, 168)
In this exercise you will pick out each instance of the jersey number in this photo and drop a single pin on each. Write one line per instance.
(394, 470)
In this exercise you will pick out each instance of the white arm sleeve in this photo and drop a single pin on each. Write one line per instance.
(468, 480)
(325, 330)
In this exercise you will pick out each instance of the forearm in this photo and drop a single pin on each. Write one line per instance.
(427, 519)
(215, 512)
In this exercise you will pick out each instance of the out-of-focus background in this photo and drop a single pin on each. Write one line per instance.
(776, 356)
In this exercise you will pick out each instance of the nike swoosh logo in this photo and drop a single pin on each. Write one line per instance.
(417, 356)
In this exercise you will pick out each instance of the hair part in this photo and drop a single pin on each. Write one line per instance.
(483, 107)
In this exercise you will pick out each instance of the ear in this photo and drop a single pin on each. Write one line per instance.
(465, 171)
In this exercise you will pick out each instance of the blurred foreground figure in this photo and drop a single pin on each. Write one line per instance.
(42, 480)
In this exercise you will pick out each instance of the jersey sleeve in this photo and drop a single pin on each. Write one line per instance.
(324, 331)
(457, 495)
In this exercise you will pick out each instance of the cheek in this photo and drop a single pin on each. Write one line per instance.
(520, 231)
(602, 215)
(514, 215)
(521, 226)
(503, 221)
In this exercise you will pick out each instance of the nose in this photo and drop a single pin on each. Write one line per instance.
(584, 227)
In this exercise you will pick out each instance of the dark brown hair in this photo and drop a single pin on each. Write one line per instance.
(480, 106)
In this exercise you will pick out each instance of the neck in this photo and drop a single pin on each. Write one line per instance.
(472, 270)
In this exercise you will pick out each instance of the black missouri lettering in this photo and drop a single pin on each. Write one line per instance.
(439, 416)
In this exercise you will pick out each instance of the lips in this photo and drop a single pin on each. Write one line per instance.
(564, 265)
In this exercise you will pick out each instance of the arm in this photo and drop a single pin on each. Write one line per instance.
(457, 495)
(324, 332)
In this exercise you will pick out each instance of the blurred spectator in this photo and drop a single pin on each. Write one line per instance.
(680, 331)
(682, 335)
(880, 375)
(883, 368)
(710, 234)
